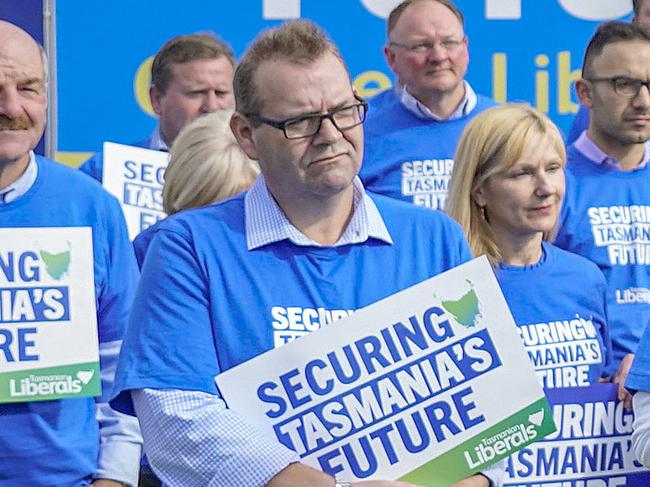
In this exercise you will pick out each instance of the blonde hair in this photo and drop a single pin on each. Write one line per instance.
(490, 144)
(206, 164)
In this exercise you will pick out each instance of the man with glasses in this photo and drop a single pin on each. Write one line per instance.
(641, 17)
(606, 211)
(413, 129)
(304, 247)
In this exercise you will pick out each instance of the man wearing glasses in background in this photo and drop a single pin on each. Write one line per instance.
(305, 246)
(606, 211)
(641, 17)
(412, 129)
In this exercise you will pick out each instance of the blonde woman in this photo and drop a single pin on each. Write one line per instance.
(506, 191)
(206, 165)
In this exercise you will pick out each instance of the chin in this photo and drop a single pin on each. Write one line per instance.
(332, 187)
(9, 156)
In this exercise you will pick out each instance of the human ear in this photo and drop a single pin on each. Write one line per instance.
(584, 92)
(243, 131)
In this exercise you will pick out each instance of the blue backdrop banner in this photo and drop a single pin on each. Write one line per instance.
(520, 51)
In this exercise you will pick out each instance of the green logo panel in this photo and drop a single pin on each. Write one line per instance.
(62, 382)
(527, 426)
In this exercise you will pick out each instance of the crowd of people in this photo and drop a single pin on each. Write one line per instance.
(286, 189)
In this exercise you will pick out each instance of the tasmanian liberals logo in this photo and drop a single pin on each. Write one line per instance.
(504, 442)
(632, 295)
(56, 265)
(465, 310)
(49, 385)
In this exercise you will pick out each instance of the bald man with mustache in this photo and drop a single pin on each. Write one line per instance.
(71, 441)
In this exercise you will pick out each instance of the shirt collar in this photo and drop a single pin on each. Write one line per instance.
(266, 222)
(21, 185)
(156, 140)
(595, 154)
(467, 104)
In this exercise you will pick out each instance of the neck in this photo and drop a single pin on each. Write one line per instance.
(629, 156)
(164, 137)
(441, 104)
(323, 220)
(10, 171)
(520, 250)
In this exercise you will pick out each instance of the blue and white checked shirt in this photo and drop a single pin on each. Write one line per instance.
(196, 429)
(266, 222)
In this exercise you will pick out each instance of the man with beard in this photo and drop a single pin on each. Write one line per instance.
(606, 212)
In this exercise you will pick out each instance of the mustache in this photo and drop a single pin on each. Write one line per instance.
(18, 123)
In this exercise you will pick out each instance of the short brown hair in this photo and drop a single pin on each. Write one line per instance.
(183, 49)
(296, 41)
(397, 12)
(609, 33)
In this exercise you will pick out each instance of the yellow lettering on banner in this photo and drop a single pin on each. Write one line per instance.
(499, 77)
(141, 84)
(370, 83)
(541, 83)
(565, 79)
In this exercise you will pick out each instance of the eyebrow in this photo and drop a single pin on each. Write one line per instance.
(335, 107)
(29, 80)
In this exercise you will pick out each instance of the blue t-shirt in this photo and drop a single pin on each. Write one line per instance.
(143, 240)
(94, 165)
(560, 309)
(580, 124)
(407, 157)
(606, 218)
(56, 442)
(206, 303)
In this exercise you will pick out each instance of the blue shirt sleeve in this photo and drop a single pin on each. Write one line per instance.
(94, 166)
(116, 292)
(120, 440)
(169, 342)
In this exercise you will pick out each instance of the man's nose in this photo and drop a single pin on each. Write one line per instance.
(214, 102)
(328, 131)
(642, 98)
(10, 102)
(437, 52)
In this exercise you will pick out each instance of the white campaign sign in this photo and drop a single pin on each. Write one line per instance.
(48, 320)
(135, 177)
(427, 385)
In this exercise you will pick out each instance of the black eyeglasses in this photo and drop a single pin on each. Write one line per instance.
(624, 86)
(304, 126)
